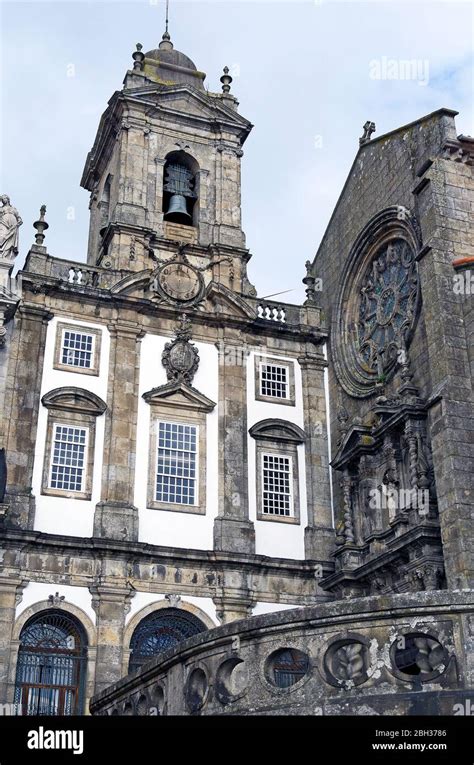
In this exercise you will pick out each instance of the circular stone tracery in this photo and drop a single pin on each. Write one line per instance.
(387, 300)
(375, 314)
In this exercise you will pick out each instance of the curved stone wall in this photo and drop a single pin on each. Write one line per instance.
(406, 654)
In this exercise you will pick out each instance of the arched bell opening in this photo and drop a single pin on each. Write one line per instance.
(180, 193)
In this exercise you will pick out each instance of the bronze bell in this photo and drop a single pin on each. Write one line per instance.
(177, 212)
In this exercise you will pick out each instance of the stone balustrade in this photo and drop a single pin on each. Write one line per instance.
(362, 656)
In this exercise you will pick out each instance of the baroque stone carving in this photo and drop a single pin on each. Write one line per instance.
(173, 600)
(418, 655)
(10, 222)
(180, 358)
(346, 663)
(56, 599)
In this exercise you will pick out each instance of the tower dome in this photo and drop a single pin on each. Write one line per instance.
(169, 66)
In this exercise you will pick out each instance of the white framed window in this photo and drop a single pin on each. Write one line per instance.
(68, 458)
(176, 463)
(77, 349)
(277, 480)
(274, 380)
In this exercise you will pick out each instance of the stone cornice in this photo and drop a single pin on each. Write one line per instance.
(98, 548)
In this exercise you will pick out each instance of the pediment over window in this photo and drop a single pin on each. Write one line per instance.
(358, 440)
(71, 399)
(178, 394)
(274, 429)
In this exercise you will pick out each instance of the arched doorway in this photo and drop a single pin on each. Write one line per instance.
(159, 631)
(51, 665)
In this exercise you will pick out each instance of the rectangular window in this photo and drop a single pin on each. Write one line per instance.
(176, 463)
(274, 381)
(68, 461)
(276, 484)
(77, 349)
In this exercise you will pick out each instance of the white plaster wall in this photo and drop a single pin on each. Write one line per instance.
(165, 527)
(35, 592)
(270, 608)
(59, 515)
(274, 538)
(143, 599)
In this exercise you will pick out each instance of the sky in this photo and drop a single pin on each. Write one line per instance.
(305, 74)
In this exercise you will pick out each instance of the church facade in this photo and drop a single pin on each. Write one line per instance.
(164, 429)
(165, 463)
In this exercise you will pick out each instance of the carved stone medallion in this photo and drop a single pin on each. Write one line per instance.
(180, 357)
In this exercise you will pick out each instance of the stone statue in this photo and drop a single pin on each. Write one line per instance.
(10, 222)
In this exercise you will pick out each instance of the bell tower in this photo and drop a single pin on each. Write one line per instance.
(165, 168)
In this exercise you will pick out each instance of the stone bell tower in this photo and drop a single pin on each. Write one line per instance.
(165, 168)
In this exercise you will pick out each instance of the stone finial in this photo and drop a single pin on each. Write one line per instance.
(226, 79)
(40, 226)
(10, 222)
(309, 280)
(138, 58)
(368, 129)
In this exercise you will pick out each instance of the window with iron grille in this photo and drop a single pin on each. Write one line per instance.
(176, 463)
(68, 459)
(274, 380)
(77, 349)
(51, 665)
(161, 630)
(276, 484)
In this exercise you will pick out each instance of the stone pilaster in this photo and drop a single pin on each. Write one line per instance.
(232, 607)
(319, 533)
(115, 516)
(111, 604)
(10, 596)
(22, 402)
(233, 532)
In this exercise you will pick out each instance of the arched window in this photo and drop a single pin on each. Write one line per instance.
(179, 188)
(51, 665)
(159, 631)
